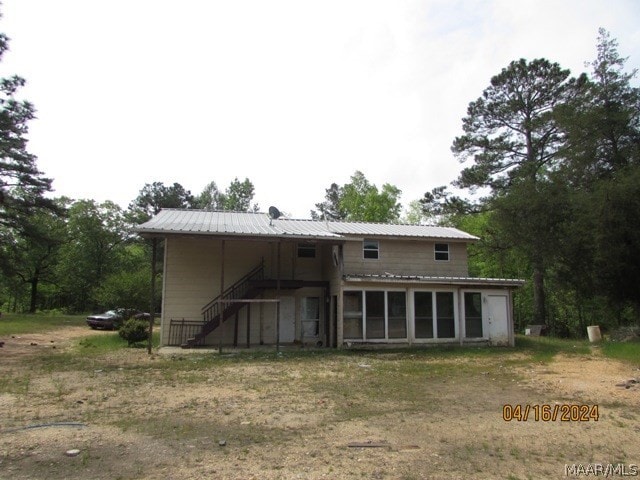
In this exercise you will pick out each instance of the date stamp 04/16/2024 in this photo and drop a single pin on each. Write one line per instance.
(563, 412)
(567, 412)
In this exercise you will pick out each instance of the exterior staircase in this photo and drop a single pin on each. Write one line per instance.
(245, 288)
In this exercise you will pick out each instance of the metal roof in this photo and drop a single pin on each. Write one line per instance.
(398, 230)
(260, 224)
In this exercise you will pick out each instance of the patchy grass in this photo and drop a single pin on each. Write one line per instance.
(110, 341)
(270, 415)
(544, 349)
(91, 352)
(625, 351)
(12, 324)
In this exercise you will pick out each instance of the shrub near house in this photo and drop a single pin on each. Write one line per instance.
(134, 330)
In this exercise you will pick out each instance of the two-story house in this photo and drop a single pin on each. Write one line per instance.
(246, 279)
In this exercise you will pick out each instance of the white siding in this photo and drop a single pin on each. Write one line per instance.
(192, 279)
(192, 274)
(399, 257)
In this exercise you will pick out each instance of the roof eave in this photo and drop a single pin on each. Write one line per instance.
(457, 281)
(150, 233)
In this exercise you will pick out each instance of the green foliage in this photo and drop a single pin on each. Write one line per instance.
(510, 133)
(97, 237)
(360, 201)
(415, 214)
(154, 197)
(125, 287)
(554, 178)
(22, 186)
(134, 331)
(513, 139)
(31, 256)
(237, 197)
(330, 209)
(128, 285)
(602, 168)
(210, 198)
(26, 247)
(626, 334)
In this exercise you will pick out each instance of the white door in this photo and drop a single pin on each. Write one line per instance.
(287, 319)
(498, 319)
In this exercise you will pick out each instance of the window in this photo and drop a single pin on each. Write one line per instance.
(352, 315)
(423, 310)
(441, 252)
(446, 320)
(306, 250)
(473, 314)
(434, 315)
(375, 314)
(310, 316)
(370, 249)
(384, 315)
(397, 314)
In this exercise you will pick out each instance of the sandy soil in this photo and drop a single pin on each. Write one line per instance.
(273, 420)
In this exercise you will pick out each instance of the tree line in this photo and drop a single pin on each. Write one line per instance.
(81, 255)
(550, 182)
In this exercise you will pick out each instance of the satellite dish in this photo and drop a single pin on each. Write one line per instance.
(274, 213)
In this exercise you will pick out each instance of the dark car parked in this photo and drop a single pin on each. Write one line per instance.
(113, 319)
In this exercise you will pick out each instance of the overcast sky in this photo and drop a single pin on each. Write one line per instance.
(294, 94)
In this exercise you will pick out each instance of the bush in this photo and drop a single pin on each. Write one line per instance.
(134, 331)
(626, 334)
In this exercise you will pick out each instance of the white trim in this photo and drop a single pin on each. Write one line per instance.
(377, 250)
(435, 252)
(459, 315)
(463, 324)
(386, 338)
(434, 313)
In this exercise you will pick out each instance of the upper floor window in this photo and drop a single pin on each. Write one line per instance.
(306, 250)
(370, 249)
(441, 251)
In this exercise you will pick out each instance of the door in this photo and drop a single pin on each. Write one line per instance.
(498, 319)
(287, 319)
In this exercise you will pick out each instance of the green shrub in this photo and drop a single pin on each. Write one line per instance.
(134, 331)
(626, 334)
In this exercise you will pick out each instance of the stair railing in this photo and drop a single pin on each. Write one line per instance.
(236, 291)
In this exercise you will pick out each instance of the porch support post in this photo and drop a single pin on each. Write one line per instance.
(248, 325)
(261, 312)
(220, 303)
(340, 319)
(326, 315)
(235, 329)
(460, 315)
(510, 323)
(411, 315)
(278, 297)
(152, 300)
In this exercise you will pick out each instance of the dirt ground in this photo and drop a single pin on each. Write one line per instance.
(129, 415)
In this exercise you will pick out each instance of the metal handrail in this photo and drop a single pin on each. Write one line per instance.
(236, 291)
